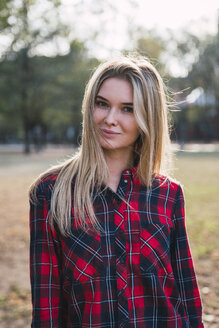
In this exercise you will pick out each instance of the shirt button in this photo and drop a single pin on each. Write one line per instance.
(125, 181)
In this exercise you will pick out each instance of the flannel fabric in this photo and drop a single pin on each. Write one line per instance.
(137, 272)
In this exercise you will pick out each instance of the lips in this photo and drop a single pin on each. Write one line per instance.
(109, 133)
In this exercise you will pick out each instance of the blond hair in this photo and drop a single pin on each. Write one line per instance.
(88, 168)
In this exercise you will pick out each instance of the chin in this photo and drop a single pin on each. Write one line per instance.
(106, 145)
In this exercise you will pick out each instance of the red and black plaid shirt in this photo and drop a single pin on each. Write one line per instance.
(137, 272)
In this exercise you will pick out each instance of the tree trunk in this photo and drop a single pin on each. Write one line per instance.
(25, 78)
(24, 99)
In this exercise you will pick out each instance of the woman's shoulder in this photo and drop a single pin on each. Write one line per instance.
(46, 181)
(43, 185)
(168, 190)
(167, 182)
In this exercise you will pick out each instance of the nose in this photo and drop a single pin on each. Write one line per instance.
(111, 117)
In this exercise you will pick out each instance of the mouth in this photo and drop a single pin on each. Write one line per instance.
(109, 133)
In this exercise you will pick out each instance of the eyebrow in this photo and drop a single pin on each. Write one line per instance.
(124, 103)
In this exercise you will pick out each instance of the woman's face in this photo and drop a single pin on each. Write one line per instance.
(114, 117)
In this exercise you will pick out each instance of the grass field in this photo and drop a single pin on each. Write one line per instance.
(199, 174)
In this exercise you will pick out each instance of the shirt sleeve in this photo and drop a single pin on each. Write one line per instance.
(182, 265)
(44, 268)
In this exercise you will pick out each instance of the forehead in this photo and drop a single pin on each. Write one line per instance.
(116, 87)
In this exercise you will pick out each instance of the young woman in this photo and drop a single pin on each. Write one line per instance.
(108, 241)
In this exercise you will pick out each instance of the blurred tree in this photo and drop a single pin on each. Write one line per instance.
(205, 72)
(65, 78)
(153, 47)
(25, 37)
(31, 26)
(9, 118)
(55, 92)
(201, 56)
(149, 44)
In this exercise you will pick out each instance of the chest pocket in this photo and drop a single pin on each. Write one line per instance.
(82, 256)
(155, 247)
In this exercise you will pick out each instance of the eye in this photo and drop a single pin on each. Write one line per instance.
(127, 109)
(101, 104)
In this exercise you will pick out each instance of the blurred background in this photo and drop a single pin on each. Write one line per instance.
(48, 50)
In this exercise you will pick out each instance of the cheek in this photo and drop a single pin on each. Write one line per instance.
(134, 128)
(97, 116)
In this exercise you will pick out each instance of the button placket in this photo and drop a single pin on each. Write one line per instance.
(121, 267)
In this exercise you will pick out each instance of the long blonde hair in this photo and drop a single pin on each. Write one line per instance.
(88, 168)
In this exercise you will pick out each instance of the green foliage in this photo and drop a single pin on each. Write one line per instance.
(205, 72)
(15, 21)
(201, 57)
(38, 93)
(5, 6)
(149, 44)
(55, 88)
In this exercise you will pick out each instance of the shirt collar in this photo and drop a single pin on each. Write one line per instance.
(130, 172)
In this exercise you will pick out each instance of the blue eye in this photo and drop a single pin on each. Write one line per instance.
(128, 109)
(101, 104)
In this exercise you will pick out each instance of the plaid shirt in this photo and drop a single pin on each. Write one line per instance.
(137, 272)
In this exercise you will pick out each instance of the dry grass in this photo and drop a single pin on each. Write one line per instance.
(198, 173)
(17, 172)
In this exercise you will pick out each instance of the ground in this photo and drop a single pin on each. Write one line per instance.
(198, 172)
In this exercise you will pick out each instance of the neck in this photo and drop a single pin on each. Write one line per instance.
(117, 162)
